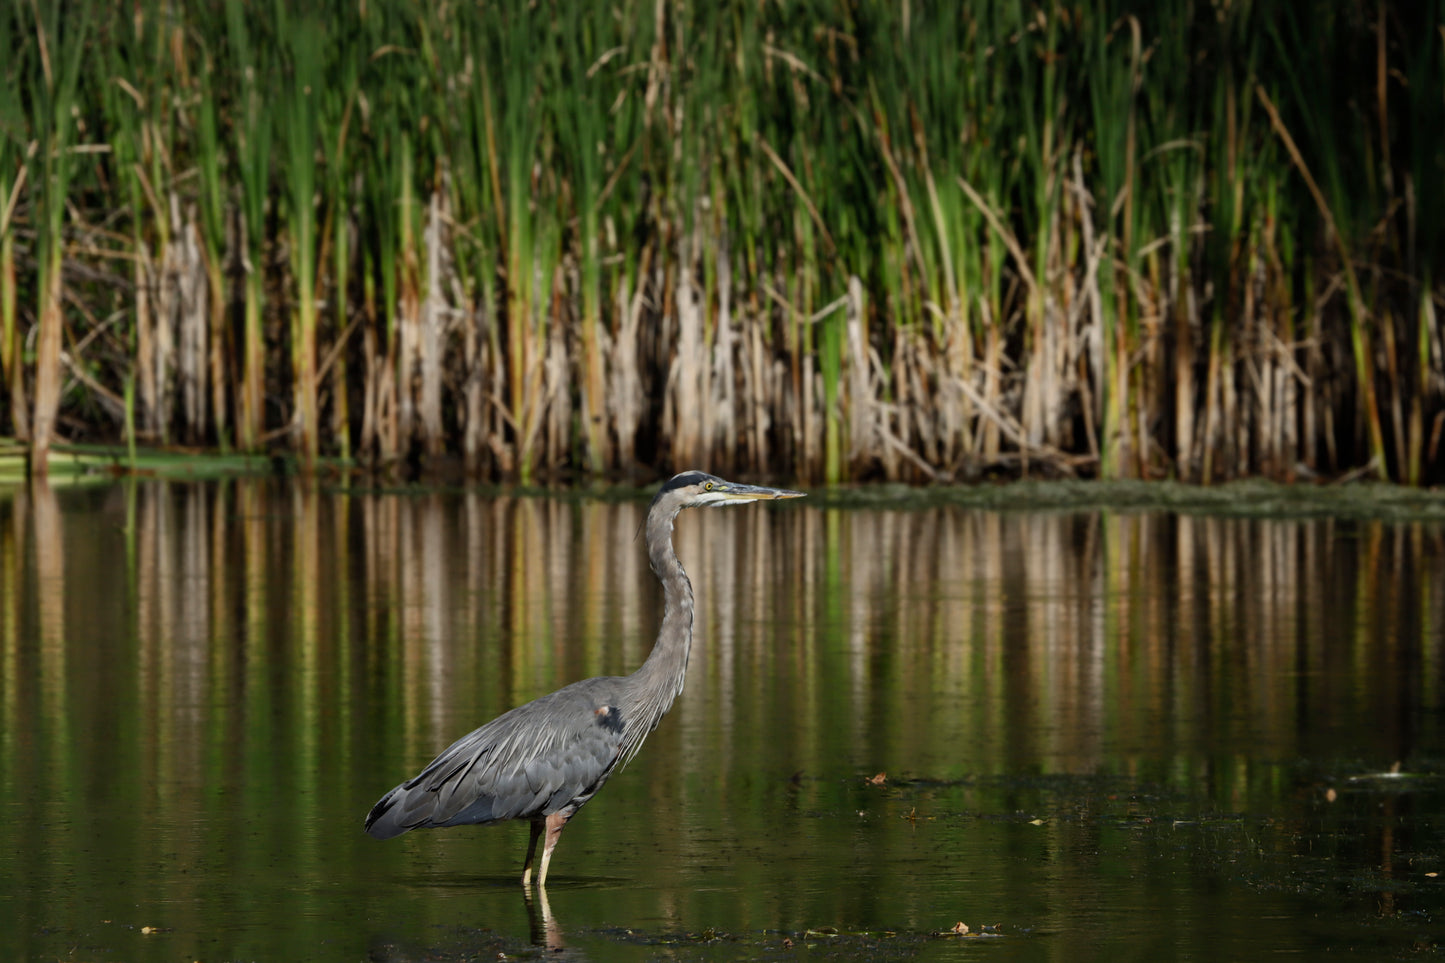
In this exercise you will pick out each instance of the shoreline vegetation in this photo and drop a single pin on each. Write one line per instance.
(833, 241)
(1354, 497)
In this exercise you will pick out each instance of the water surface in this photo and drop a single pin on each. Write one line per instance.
(1098, 733)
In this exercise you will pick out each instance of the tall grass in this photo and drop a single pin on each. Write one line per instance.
(299, 108)
(60, 34)
(837, 240)
(388, 106)
(211, 193)
(250, 144)
(582, 91)
(337, 115)
(14, 130)
(137, 101)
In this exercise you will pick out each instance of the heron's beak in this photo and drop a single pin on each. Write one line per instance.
(754, 493)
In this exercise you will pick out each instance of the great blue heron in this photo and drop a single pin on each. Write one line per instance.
(542, 761)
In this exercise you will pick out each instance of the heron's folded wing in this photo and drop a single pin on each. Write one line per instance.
(531, 761)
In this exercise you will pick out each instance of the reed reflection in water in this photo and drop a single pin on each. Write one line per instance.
(1096, 729)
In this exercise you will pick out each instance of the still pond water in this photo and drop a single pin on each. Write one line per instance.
(1084, 734)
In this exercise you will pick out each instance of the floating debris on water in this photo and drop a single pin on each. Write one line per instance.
(964, 931)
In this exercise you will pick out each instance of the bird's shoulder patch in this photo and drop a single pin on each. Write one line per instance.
(609, 718)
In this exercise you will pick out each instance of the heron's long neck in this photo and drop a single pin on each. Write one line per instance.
(661, 677)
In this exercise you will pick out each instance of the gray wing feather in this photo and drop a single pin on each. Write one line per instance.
(535, 760)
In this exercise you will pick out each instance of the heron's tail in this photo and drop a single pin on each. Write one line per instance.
(385, 819)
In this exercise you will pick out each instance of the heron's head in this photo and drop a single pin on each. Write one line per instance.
(694, 489)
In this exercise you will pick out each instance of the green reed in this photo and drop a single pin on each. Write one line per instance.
(389, 103)
(13, 172)
(136, 92)
(463, 95)
(299, 108)
(211, 191)
(336, 116)
(250, 142)
(1114, 77)
(126, 105)
(1423, 191)
(60, 34)
(1327, 133)
(582, 90)
(527, 228)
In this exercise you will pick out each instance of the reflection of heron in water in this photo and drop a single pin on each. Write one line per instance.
(543, 929)
(543, 760)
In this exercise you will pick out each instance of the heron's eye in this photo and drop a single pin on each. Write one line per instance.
(707, 487)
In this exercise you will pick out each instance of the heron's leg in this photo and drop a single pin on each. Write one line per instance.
(555, 822)
(537, 825)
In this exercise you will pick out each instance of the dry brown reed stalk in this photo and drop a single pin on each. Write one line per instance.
(380, 431)
(407, 355)
(592, 391)
(218, 348)
(12, 368)
(986, 447)
(624, 375)
(193, 321)
(557, 393)
(160, 279)
(474, 386)
(860, 399)
(754, 374)
(1086, 337)
(688, 373)
(251, 387)
(47, 369)
(722, 401)
(428, 341)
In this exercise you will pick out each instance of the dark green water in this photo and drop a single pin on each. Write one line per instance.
(1103, 734)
